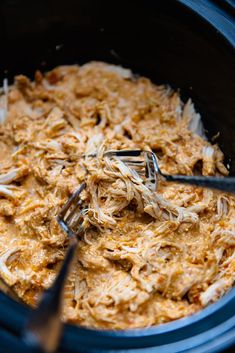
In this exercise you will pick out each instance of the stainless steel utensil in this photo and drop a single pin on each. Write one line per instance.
(146, 164)
(44, 327)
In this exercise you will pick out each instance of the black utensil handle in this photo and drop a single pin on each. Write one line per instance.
(43, 329)
(219, 183)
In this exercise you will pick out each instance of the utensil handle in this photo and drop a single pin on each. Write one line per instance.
(220, 183)
(43, 329)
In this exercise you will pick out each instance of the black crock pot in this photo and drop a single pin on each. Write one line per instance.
(188, 44)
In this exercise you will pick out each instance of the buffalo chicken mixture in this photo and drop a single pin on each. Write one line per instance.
(146, 257)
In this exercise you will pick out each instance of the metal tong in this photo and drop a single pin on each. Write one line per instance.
(145, 163)
(44, 327)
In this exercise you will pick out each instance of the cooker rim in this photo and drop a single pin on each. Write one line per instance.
(144, 338)
(221, 21)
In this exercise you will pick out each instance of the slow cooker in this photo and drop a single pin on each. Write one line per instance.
(188, 44)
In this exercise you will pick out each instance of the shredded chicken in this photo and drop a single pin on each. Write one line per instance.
(146, 257)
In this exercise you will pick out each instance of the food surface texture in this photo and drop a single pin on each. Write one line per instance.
(146, 257)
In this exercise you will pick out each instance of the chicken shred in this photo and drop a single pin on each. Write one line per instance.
(146, 257)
